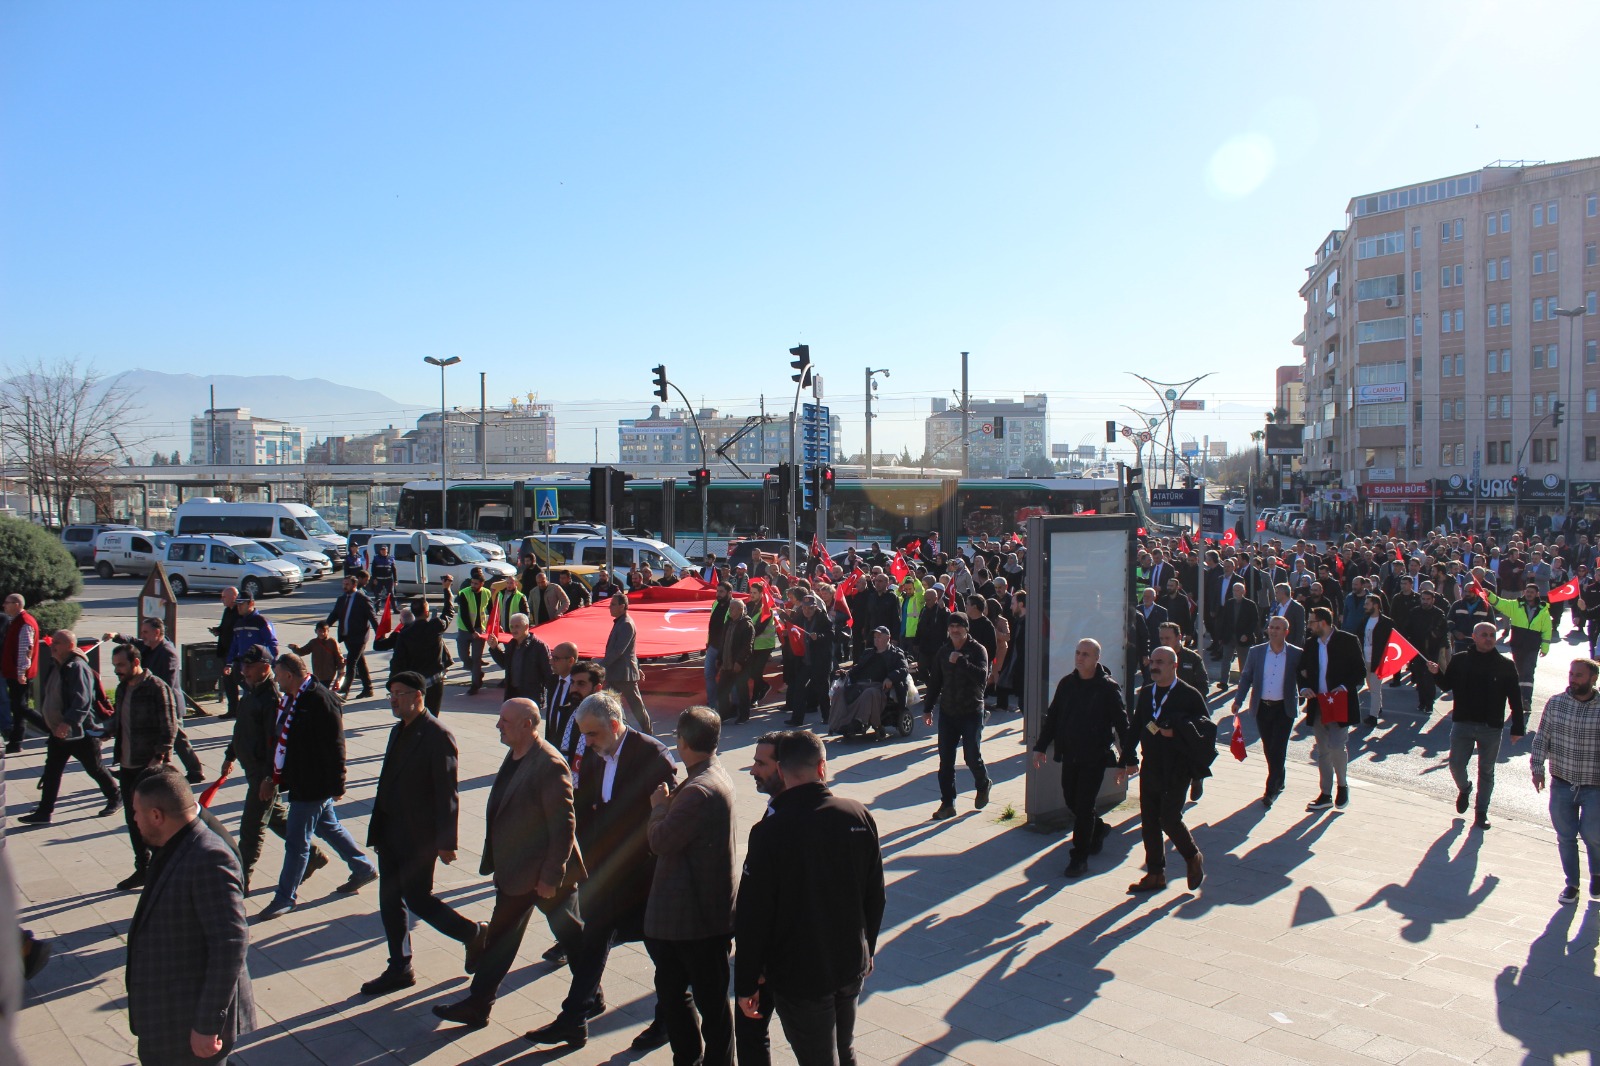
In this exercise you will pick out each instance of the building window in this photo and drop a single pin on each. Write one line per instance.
(1416, 281)
(1416, 412)
(1591, 305)
(1538, 262)
(1591, 205)
(1491, 453)
(1444, 232)
(1550, 261)
(1446, 411)
(1589, 399)
(1380, 414)
(1551, 400)
(1382, 244)
(1461, 362)
(1447, 453)
(1493, 363)
(1461, 221)
(1381, 373)
(1492, 270)
(1505, 361)
(1552, 449)
(1538, 214)
(1445, 274)
(1446, 367)
(1461, 455)
(1552, 356)
(1461, 320)
(1416, 367)
(1494, 223)
(1538, 357)
(1538, 310)
(1384, 329)
(1461, 275)
(1505, 314)
(1494, 317)
(1591, 254)
(1538, 405)
(1591, 447)
(1538, 451)
(1416, 236)
(1550, 212)
(1416, 325)
(1591, 352)
(1505, 268)
(1444, 322)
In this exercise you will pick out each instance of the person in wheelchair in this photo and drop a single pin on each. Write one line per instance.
(879, 680)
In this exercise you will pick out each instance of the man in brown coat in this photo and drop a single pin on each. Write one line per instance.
(530, 848)
(688, 921)
(733, 680)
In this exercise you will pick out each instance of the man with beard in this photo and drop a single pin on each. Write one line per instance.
(1330, 663)
(1374, 635)
(1569, 738)
(1165, 727)
(1484, 682)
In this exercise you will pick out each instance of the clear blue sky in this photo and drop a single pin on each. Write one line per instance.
(566, 196)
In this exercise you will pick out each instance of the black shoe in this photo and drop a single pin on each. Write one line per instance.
(596, 1007)
(197, 775)
(465, 1013)
(476, 946)
(793, 723)
(36, 818)
(366, 694)
(946, 810)
(1594, 886)
(1268, 799)
(131, 882)
(317, 861)
(572, 1034)
(472, 690)
(1481, 822)
(1370, 719)
(1077, 867)
(653, 1036)
(13, 747)
(39, 953)
(113, 805)
(554, 953)
(1341, 798)
(1098, 839)
(981, 800)
(391, 980)
(357, 882)
(1321, 803)
(1197, 788)
(1462, 799)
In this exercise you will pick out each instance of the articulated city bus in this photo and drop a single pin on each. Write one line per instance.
(860, 511)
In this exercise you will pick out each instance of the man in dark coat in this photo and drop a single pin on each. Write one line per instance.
(146, 723)
(413, 825)
(956, 686)
(355, 618)
(526, 660)
(1087, 723)
(1238, 626)
(420, 646)
(1374, 632)
(1427, 629)
(880, 675)
(1331, 662)
(733, 663)
(189, 994)
(1166, 727)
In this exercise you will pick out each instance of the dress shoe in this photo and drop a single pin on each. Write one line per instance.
(555, 953)
(1098, 839)
(366, 694)
(572, 1034)
(1147, 883)
(1077, 867)
(39, 953)
(596, 1007)
(981, 800)
(476, 945)
(357, 882)
(36, 818)
(113, 805)
(196, 776)
(391, 980)
(1197, 870)
(1481, 822)
(946, 810)
(131, 882)
(1462, 799)
(13, 747)
(1370, 719)
(472, 690)
(274, 910)
(1197, 788)
(465, 1013)
(316, 861)
(651, 1037)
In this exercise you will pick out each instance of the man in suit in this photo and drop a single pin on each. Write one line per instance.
(1165, 728)
(1330, 662)
(414, 824)
(1178, 606)
(308, 763)
(575, 680)
(688, 921)
(1237, 627)
(1376, 628)
(1087, 723)
(419, 645)
(525, 659)
(619, 770)
(1154, 614)
(1268, 679)
(530, 848)
(353, 614)
(1291, 611)
(622, 661)
(189, 995)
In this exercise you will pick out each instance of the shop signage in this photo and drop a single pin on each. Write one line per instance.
(1397, 490)
(1547, 489)
(1390, 392)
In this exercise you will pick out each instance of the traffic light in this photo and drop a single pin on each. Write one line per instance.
(1188, 481)
(1111, 431)
(1555, 412)
(702, 477)
(661, 382)
(825, 481)
(999, 422)
(802, 364)
(1135, 478)
(597, 490)
(1516, 486)
(779, 483)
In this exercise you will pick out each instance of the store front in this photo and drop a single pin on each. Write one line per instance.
(1506, 503)
(1404, 507)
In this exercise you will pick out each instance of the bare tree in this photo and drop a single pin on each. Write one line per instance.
(74, 425)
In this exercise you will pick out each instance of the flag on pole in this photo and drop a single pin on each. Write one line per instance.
(915, 548)
(760, 587)
(1236, 745)
(386, 623)
(211, 793)
(1140, 531)
(1563, 593)
(820, 552)
(1475, 589)
(952, 601)
(1395, 657)
(1261, 525)
(898, 567)
(1228, 539)
(491, 629)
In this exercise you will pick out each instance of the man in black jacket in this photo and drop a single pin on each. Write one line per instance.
(353, 614)
(146, 724)
(308, 762)
(1331, 662)
(1088, 724)
(1238, 626)
(526, 660)
(1165, 726)
(413, 825)
(956, 685)
(224, 631)
(810, 907)
(1426, 628)
(880, 675)
(1484, 682)
(420, 647)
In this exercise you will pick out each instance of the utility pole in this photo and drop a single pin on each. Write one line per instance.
(871, 387)
(211, 429)
(966, 416)
(763, 429)
(483, 422)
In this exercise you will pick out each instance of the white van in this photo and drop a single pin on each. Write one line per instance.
(300, 526)
(445, 555)
(208, 564)
(128, 551)
(590, 550)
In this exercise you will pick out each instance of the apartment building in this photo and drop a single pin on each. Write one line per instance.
(1442, 325)
(667, 437)
(233, 436)
(1003, 436)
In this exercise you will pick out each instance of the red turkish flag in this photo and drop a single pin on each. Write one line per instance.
(492, 629)
(1139, 531)
(1475, 589)
(1228, 539)
(1261, 525)
(1396, 655)
(1237, 744)
(211, 793)
(1562, 593)
(385, 623)
(898, 567)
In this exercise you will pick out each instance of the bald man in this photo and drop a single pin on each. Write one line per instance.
(1087, 721)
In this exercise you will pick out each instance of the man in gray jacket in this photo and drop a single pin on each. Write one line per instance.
(688, 921)
(622, 662)
(75, 730)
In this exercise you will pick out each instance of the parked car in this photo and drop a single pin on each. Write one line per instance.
(211, 563)
(490, 548)
(301, 526)
(445, 555)
(313, 564)
(128, 551)
(625, 551)
(79, 540)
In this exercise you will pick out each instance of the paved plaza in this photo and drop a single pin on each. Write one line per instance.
(1388, 933)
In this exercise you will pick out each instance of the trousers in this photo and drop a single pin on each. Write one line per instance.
(821, 1031)
(126, 779)
(1161, 812)
(86, 750)
(751, 1037)
(405, 884)
(308, 818)
(1469, 737)
(1080, 788)
(585, 960)
(692, 997)
(355, 661)
(469, 649)
(1575, 813)
(1274, 721)
(1333, 754)
(964, 731)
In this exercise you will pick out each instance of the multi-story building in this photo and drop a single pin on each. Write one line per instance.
(1442, 324)
(367, 449)
(521, 433)
(666, 438)
(1291, 393)
(232, 436)
(1025, 439)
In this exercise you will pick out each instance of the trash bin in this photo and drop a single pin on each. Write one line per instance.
(202, 671)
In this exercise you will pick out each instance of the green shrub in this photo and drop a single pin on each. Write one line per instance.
(62, 614)
(37, 565)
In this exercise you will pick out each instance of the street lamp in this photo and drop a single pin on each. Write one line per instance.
(444, 440)
(1571, 314)
(872, 387)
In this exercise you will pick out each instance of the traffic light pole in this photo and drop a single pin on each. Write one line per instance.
(795, 474)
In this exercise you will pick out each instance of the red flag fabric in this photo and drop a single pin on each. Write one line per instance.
(1088, 510)
(715, 579)
(491, 629)
(898, 567)
(1338, 565)
(1475, 589)
(915, 548)
(1140, 531)
(1228, 539)
(952, 601)
(1261, 525)
(849, 585)
(759, 587)
(1562, 593)
(1396, 655)
(1236, 745)
(211, 793)
(820, 551)
(1399, 556)
(386, 622)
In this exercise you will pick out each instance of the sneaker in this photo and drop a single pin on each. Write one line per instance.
(36, 818)
(274, 910)
(1569, 895)
(981, 800)
(1321, 803)
(1462, 799)
(1341, 798)
(357, 882)
(946, 810)
(315, 862)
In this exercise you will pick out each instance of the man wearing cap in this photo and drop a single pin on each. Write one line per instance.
(419, 646)
(413, 825)
(881, 673)
(472, 626)
(740, 579)
(250, 627)
(956, 685)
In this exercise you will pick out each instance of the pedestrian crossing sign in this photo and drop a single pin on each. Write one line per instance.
(544, 505)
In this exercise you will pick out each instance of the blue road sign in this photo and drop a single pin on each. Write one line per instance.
(545, 506)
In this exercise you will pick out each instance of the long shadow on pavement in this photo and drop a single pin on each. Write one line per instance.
(1548, 1002)
(1440, 889)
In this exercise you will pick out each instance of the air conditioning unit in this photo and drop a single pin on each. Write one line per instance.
(1392, 301)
